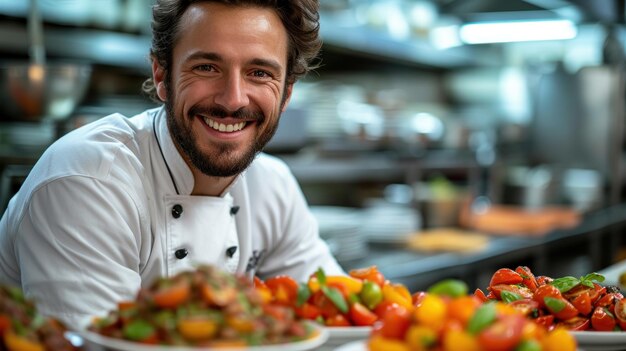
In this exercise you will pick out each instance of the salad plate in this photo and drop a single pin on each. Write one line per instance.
(598, 340)
(341, 335)
(97, 342)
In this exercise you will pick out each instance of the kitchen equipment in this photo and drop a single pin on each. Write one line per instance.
(37, 90)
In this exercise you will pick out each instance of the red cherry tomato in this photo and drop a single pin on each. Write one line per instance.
(308, 311)
(546, 321)
(528, 277)
(521, 291)
(620, 313)
(602, 319)
(544, 291)
(417, 298)
(505, 276)
(528, 307)
(326, 306)
(480, 295)
(394, 323)
(338, 320)
(284, 289)
(576, 324)
(382, 308)
(582, 302)
(502, 335)
(361, 316)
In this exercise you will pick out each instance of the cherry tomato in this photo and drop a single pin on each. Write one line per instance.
(576, 323)
(394, 323)
(528, 307)
(371, 274)
(543, 280)
(371, 294)
(546, 321)
(602, 319)
(382, 308)
(284, 289)
(326, 306)
(308, 311)
(608, 300)
(338, 320)
(620, 313)
(480, 295)
(504, 334)
(521, 291)
(505, 276)
(528, 277)
(560, 307)
(417, 298)
(544, 291)
(582, 302)
(361, 316)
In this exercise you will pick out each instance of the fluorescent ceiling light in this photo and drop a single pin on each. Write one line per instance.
(503, 32)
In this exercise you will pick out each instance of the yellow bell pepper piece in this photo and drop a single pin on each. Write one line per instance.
(197, 328)
(353, 285)
(399, 294)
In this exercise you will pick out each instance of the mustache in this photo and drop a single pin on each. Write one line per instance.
(220, 112)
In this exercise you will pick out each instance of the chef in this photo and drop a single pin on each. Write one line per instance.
(113, 205)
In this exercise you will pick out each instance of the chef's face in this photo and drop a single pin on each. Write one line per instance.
(226, 88)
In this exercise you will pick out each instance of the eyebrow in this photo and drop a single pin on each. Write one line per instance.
(211, 56)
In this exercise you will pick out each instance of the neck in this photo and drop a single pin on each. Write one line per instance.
(205, 185)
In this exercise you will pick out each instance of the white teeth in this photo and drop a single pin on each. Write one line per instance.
(224, 127)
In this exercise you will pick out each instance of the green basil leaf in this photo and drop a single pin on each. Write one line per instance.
(321, 276)
(482, 318)
(565, 283)
(303, 294)
(335, 296)
(554, 305)
(509, 296)
(591, 277)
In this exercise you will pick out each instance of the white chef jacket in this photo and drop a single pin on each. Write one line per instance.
(107, 209)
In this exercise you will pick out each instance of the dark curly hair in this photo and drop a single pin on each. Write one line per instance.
(300, 18)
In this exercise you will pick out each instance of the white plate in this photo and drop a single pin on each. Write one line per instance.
(359, 345)
(340, 335)
(597, 340)
(96, 342)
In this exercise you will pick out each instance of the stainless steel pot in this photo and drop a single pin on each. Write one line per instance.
(33, 92)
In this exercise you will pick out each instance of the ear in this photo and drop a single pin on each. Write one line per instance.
(288, 90)
(158, 76)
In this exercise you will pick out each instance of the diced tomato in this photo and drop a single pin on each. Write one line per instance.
(361, 316)
(502, 335)
(370, 273)
(528, 277)
(602, 319)
(576, 324)
(284, 289)
(505, 276)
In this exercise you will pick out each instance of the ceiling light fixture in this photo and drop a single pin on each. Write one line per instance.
(513, 31)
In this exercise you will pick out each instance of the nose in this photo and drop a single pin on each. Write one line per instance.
(232, 94)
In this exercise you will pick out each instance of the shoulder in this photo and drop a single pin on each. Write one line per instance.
(269, 170)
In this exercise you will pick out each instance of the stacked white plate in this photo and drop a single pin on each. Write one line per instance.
(340, 228)
(389, 223)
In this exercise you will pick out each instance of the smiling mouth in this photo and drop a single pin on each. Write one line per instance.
(224, 127)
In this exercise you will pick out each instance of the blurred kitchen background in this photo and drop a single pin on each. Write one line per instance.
(421, 111)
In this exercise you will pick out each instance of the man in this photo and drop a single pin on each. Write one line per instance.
(115, 204)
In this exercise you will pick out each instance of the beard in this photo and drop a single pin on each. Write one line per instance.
(222, 160)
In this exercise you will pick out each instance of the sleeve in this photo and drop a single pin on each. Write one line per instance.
(300, 251)
(79, 247)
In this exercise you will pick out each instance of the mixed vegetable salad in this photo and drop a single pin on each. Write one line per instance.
(337, 301)
(205, 307)
(23, 329)
(574, 303)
